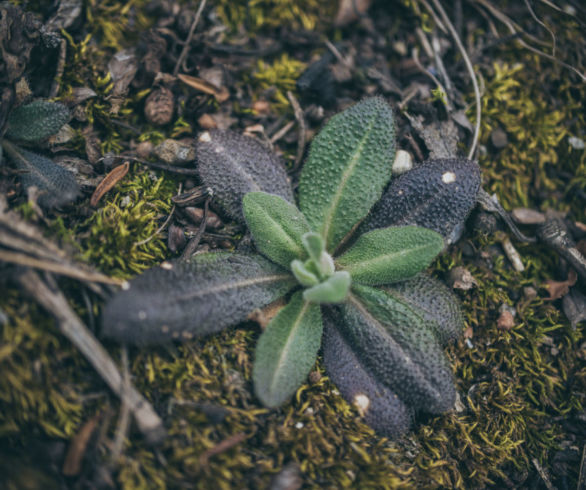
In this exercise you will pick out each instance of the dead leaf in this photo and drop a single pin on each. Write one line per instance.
(558, 289)
(220, 93)
(265, 315)
(114, 176)
(78, 446)
(350, 10)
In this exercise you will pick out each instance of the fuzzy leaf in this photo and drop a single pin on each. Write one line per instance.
(36, 121)
(333, 290)
(382, 409)
(303, 275)
(399, 348)
(184, 299)
(433, 301)
(437, 194)
(232, 165)
(276, 226)
(56, 184)
(348, 167)
(286, 351)
(390, 254)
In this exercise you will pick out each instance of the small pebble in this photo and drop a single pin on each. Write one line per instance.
(403, 162)
(526, 216)
(174, 152)
(499, 138)
(461, 278)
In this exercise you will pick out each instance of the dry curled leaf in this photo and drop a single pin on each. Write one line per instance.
(109, 181)
(220, 93)
(558, 289)
(78, 446)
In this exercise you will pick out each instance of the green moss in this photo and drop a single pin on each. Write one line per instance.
(114, 238)
(40, 387)
(253, 15)
(276, 79)
(530, 168)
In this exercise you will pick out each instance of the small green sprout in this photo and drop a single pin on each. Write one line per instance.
(383, 347)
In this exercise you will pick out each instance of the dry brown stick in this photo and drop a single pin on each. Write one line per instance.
(221, 447)
(194, 242)
(124, 419)
(301, 130)
(185, 49)
(149, 423)
(59, 268)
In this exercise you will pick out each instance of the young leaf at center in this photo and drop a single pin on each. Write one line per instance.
(286, 351)
(390, 254)
(276, 226)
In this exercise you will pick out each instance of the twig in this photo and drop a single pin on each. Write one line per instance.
(301, 130)
(542, 474)
(185, 50)
(554, 233)
(221, 447)
(542, 24)
(194, 242)
(62, 269)
(512, 254)
(515, 29)
(124, 419)
(470, 68)
(73, 328)
(582, 475)
(282, 132)
(491, 204)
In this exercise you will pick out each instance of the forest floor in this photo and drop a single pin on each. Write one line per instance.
(277, 70)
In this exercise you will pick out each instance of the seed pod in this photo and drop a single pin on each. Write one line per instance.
(437, 194)
(159, 106)
(232, 165)
(185, 299)
(434, 302)
(381, 408)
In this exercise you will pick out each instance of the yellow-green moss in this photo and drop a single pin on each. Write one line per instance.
(277, 78)
(254, 15)
(111, 238)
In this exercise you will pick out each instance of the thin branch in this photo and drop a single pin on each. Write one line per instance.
(185, 50)
(53, 300)
(194, 242)
(301, 130)
(62, 269)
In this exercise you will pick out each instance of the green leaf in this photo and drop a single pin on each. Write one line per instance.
(303, 275)
(316, 249)
(276, 226)
(36, 121)
(180, 300)
(332, 290)
(231, 165)
(286, 351)
(390, 254)
(347, 169)
(399, 348)
(56, 184)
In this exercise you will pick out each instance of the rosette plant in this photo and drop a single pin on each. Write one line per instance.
(385, 324)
